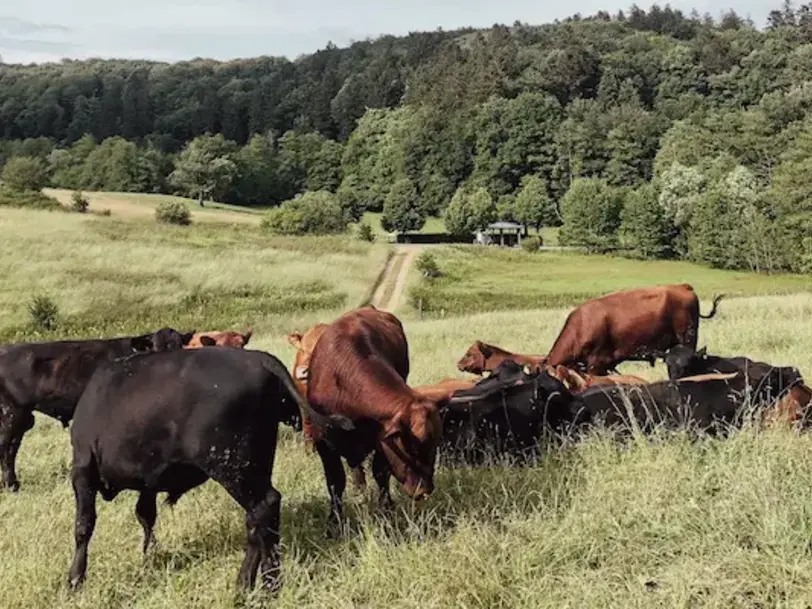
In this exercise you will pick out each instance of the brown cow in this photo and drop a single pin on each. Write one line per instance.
(359, 368)
(304, 345)
(578, 383)
(637, 325)
(793, 406)
(482, 357)
(214, 338)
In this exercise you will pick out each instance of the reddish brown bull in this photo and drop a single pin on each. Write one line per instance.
(639, 325)
(359, 368)
(482, 357)
(215, 338)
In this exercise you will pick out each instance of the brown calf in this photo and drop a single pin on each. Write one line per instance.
(578, 383)
(216, 338)
(482, 357)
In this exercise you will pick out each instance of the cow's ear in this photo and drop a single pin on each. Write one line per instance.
(395, 425)
(247, 336)
(300, 373)
(141, 343)
(703, 352)
(207, 341)
(485, 350)
(295, 339)
(186, 338)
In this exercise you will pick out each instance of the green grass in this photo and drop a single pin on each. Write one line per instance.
(141, 205)
(27, 200)
(669, 522)
(478, 279)
(110, 276)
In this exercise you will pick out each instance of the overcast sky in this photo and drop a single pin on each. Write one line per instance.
(48, 30)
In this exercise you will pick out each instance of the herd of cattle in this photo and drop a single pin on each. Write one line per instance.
(164, 412)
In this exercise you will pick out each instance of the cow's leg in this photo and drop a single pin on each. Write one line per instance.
(146, 511)
(14, 422)
(262, 504)
(262, 524)
(381, 473)
(85, 484)
(336, 483)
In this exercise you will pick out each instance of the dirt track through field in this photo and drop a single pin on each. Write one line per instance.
(389, 294)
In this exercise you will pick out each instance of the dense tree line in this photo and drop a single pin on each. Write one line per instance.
(655, 132)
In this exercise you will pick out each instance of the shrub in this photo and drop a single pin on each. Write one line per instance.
(173, 212)
(365, 232)
(44, 312)
(24, 173)
(312, 213)
(427, 265)
(79, 202)
(30, 199)
(106, 212)
(532, 244)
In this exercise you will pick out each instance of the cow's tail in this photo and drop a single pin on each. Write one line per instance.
(274, 366)
(716, 300)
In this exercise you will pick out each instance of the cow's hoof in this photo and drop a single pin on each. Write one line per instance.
(75, 583)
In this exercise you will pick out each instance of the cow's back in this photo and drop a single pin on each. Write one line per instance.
(620, 323)
(140, 414)
(361, 358)
(52, 376)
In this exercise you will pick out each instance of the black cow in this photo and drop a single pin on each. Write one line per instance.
(712, 402)
(50, 377)
(768, 381)
(506, 413)
(509, 406)
(169, 422)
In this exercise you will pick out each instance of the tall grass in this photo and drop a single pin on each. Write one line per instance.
(109, 276)
(667, 522)
(663, 522)
(480, 279)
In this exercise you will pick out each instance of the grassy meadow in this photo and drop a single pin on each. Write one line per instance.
(478, 279)
(109, 275)
(661, 522)
(141, 205)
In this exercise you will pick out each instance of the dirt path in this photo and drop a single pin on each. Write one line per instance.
(390, 291)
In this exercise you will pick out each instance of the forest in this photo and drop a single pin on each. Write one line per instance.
(652, 133)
